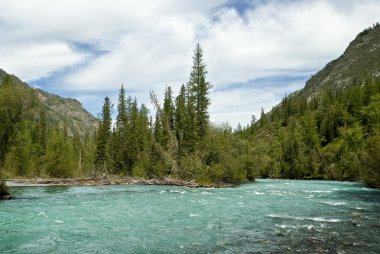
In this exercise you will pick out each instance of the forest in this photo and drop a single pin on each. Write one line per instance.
(333, 134)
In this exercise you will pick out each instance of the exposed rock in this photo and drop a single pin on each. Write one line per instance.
(116, 181)
(6, 197)
(359, 61)
(60, 111)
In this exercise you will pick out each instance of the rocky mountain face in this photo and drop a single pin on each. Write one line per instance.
(360, 60)
(60, 111)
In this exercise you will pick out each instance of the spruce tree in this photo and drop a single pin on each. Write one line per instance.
(119, 137)
(169, 107)
(199, 89)
(103, 135)
(180, 116)
(121, 118)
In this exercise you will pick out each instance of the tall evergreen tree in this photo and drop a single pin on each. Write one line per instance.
(199, 89)
(180, 116)
(104, 135)
(168, 109)
(122, 117)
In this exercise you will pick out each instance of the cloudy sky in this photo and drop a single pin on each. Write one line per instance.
(256, 51)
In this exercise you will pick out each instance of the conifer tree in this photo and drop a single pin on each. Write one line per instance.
(119, 137)
(199, 88)
(122, 117)
(167, 115)
(168, 109)
(104, 135)
(263, 118)
(158, 132)
(180, 116)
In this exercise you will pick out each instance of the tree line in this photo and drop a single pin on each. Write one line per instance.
(334, 134)
(30, 145)
(179, 142)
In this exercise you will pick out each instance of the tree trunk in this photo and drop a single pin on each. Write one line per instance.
(324, 164)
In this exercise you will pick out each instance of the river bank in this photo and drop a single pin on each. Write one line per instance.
(112, 181)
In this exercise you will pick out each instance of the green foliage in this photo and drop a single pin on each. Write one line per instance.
(16, 103)
(180, 142)
(333, 135)
(103, 137)
(4, 190)
(198, 89)
(331, 132)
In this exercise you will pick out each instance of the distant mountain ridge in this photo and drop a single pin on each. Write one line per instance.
(61, 111)
(330, 129)
(360, 60)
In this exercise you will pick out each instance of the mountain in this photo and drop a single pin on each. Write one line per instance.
(330, 129)
(60, 111)
(360, 60)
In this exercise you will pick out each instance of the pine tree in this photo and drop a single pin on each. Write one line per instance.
(180, 116)
(190, 137)
(16, 103)
(119, 137)
(199, 89)
(122, 117)
(158, 132)
(263, 118)
(168, 109)
(104, 135)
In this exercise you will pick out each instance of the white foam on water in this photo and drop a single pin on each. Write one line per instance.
(202, 201)
(279, 193)
(323, 219)
(333, 203)
(59, 221)
(206, 193)
(194, 215)
(259, 193)
(283, 226)
(241, 203)
(162, 191)
(285, 216)
(318, 191)
(42, 214)
(309, 227)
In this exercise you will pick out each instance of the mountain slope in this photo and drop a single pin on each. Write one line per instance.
(361, 59)
(61, 111)
(330, 129)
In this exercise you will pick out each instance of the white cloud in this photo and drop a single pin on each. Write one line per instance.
(35, 60)
(148, 44)
(235, 105)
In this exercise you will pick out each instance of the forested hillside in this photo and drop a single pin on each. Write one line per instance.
(35, 138)
(328, 130)
(180, 141)
(60, 112)
(331, 128)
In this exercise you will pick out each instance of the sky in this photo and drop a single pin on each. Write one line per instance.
(256, 51)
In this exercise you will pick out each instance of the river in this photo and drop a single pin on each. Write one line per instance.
(268, 216)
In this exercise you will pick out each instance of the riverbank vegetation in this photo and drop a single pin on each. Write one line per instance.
(179, 142)
(333, 134)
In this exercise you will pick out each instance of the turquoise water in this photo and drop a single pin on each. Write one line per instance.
(279, 216)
